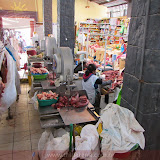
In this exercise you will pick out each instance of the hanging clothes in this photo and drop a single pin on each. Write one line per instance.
(10, 94)
(15, 57)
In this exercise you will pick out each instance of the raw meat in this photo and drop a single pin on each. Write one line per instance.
(75, 99)
(50, 76)
(52, 83)
(47, 96)
(116, 78)
(38, 70)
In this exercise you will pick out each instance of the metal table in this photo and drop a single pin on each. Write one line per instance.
(76, 116)
(46, 85)
(50, 117)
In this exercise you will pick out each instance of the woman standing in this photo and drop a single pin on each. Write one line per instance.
(90, 83)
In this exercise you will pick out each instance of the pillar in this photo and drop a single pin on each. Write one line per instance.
(141, 89)
(66, 31)
(1, 29)
(47, 17)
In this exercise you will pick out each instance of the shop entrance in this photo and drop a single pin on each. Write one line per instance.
(18, 32)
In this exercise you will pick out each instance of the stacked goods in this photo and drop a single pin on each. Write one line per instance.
(75, 101)
(39, 70)
(47, 96)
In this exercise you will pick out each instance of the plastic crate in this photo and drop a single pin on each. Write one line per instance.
(43, 103)
(40, 76)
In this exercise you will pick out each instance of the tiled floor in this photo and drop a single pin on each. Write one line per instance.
(19, 136)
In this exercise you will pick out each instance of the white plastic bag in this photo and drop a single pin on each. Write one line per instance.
(87, 145)
(47, 136)
(34, 101)
(57, 148)
(10, 94)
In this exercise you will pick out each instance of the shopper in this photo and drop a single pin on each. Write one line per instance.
(90, 83)
(123, 47)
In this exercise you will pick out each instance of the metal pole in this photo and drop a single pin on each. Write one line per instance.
(142, 58)
(87, 45)
(82, 37)
(105, 50)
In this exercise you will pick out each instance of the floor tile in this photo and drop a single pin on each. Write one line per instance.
(20, 120)
(21, 127)
(21, 109)
(34, 144)
(6, 148)
(34, 119)
(21, 115)
(22, 104)
(33, 113)
(6, 157)
(6, 129)
(4, 123)
(22, 146)
(22, 136)
(35, 126)
(36, 134)
(25, 155)
(30, 107)
(6, 138)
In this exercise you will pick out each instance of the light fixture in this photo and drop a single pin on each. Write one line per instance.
(87, 6)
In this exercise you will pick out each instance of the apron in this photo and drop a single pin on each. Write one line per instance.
(90, 88)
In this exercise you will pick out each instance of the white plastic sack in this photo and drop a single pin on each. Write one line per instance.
(57, 148)
(87, 145)
(10, 94)
(34, 101)
(46, 137)
(121, 131)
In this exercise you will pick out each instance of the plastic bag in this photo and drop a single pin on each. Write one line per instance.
(57, 148)
(46, 137)
(10, 94)
(59, 132)
(34, 101)
(87, 145)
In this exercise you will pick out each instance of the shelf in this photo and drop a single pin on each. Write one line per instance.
(88, 27)
(95, 23)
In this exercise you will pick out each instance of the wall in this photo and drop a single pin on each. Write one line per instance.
(81, 13)
(95, 10)
(141, 89)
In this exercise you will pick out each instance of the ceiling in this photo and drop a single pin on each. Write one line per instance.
(110, 3)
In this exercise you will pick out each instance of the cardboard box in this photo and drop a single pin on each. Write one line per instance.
(122, 63)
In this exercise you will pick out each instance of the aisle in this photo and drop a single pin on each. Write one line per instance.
(19, 136)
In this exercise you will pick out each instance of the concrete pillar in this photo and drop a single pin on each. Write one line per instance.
(47, 17)
(141, 89)
(1, 29)
(66, 31)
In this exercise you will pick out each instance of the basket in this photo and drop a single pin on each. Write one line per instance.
(43, 103)
(40, 76)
